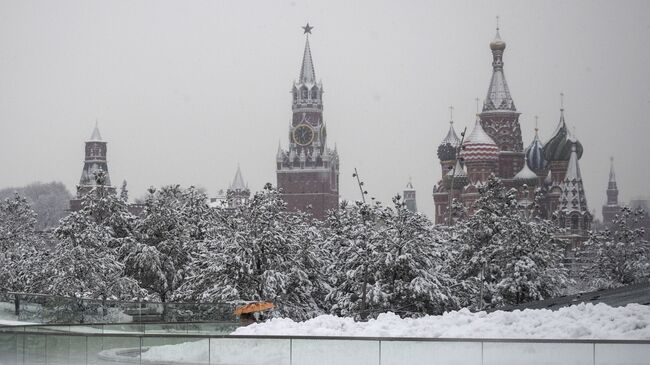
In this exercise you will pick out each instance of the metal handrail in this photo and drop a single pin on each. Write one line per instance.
(345, 338)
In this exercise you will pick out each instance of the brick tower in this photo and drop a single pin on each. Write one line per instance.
(308, 172)
(612, 208)
(94, 161)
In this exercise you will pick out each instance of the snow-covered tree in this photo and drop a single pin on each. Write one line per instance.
(618, 256)
(385, 259)
(262, 254)
(504, 257)
(124, 192)
(19, 251)
(85, 262)
(174, 221)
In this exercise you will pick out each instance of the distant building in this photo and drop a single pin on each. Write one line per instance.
(235, 196)
(94, 161)
(308, 172)
(495, 146)
(409, 197)
(238, 192)
(611, 208)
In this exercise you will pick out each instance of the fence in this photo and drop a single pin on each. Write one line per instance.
(42, 308)
(85, 344)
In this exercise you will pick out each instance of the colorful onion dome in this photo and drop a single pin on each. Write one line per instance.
(526, 175)
(535, 154)
(558, 147)
(479, 146)
(447, 148)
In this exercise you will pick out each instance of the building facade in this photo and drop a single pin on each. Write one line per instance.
(308, 171)
(495, 147)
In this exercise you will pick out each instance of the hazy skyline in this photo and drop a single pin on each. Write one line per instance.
(183, 91)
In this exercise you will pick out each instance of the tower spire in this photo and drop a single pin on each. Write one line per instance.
(612, 175)
(498, 96)
(96, 136)
(307, 73)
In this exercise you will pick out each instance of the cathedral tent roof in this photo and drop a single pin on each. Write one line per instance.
(498, 95)
(573, 197)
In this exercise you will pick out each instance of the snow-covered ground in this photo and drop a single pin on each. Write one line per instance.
(583, 321)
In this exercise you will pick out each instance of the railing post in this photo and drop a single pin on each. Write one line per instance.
(17, 304)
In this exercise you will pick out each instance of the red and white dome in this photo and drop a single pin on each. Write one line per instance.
(479, 146)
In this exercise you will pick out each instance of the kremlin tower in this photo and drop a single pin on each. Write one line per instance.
(611, 208)
(94, 162)
(308, 172)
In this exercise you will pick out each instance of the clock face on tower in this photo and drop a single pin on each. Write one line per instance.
(303, 134)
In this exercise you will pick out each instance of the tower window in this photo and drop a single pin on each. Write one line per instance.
(314, 93)
(303, 93)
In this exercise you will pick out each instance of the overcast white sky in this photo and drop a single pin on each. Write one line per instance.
(184, 90)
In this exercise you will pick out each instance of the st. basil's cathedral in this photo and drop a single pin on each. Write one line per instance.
(547, 171)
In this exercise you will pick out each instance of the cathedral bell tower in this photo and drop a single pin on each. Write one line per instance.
(500, 117)
(308, 172)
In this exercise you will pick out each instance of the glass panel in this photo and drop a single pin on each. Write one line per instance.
(219, 328)
(250, 351)
(158, 350)
(134, 328)
(504, 353)
(163, 328)
(114, 350)
(9, 349)
(35, 347)
(424, 352)
(77, 350)
(622, 354)
(58, 350)
(339, 352)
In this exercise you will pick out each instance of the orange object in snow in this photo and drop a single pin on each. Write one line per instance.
(253, 307)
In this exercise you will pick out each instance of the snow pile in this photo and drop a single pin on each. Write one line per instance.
(583, 321)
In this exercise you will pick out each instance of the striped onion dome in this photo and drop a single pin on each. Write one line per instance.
(535, 154)
(447, 148)
(479, 146)
(526, 175)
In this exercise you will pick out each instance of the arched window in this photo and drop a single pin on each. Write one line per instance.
(314, 93)
(303, 93)
(295, 94)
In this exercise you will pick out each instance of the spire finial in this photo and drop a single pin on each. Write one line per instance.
(497, 23)
(451, 114)
(536, 125)
(561, 101)
(307, 29)
(477, 101)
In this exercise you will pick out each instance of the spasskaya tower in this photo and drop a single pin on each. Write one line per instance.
(308, 172)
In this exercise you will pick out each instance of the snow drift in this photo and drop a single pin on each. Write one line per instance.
(582, 321)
